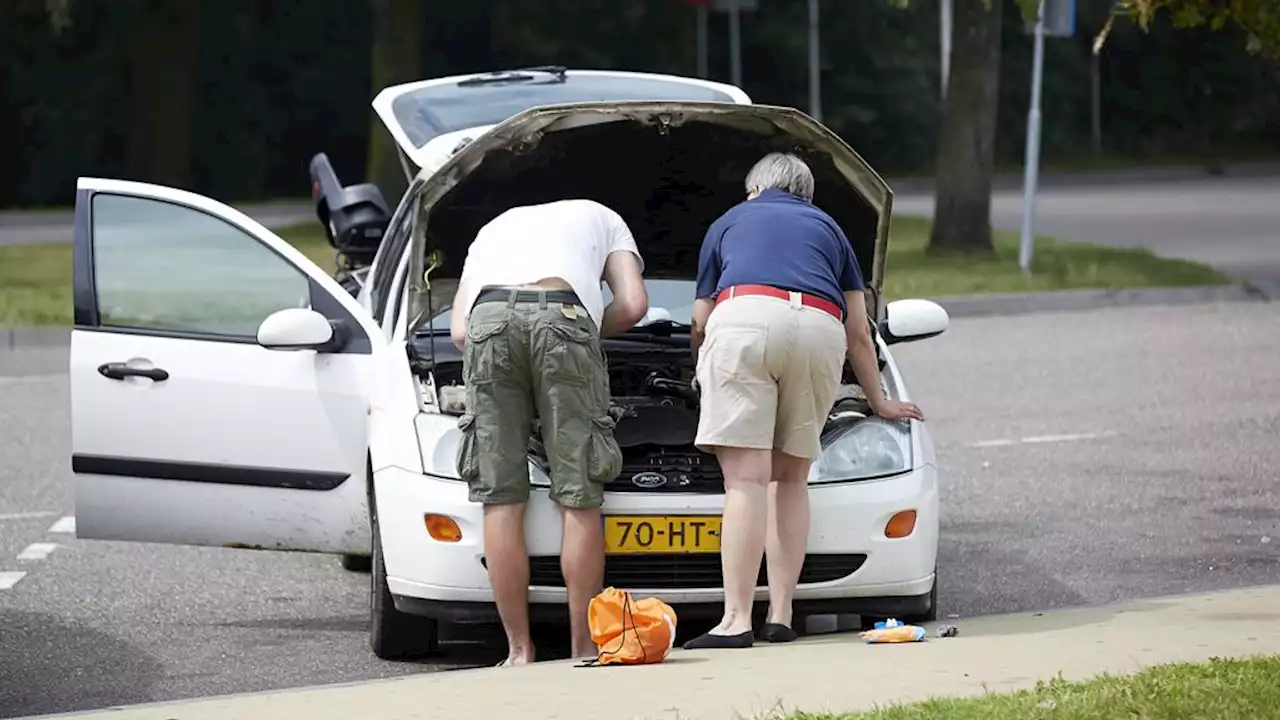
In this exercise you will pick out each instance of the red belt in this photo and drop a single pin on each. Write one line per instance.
(812, 301)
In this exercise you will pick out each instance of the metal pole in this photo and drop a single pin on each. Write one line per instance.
(1032, 162)
(1095, 102)
(944, 43)
(735, 44)
(815, 71)
(702, 42)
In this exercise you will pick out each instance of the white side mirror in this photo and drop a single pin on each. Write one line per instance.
(296, 329)
(911, 320)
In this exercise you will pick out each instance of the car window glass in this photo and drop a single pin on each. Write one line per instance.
(167, 267)
(435, 110)
(389, 261)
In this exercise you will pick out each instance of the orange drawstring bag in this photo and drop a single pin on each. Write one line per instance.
(629, 631)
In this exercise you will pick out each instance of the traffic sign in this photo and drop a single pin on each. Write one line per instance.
(1059, 19)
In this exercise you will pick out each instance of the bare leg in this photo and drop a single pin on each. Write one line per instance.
(788, 532)
(746, 507)
(582, 563)
(508, 562)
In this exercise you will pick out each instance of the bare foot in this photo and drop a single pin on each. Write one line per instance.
(515, 660)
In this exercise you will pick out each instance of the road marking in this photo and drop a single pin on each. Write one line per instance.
(27, 515)
(37, 551)
(27, 379)
(66, 525)
(9, 579)
(1037, 439)
(1067, 438)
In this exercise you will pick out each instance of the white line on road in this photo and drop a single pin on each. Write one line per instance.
(27, 515)
(37, 551)
(27, 379)
(65, 525)
(1036, 439)
(9, 579)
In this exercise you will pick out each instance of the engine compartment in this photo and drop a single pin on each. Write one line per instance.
(655, 410)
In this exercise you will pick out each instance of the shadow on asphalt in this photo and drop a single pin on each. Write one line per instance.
(43, 667)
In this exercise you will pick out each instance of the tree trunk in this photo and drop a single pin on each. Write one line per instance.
(397, 58)
(966, 142)
(162, 74)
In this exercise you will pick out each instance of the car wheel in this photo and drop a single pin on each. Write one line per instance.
(394, 635)
(928, 616)
(931, 615)
(357, 563)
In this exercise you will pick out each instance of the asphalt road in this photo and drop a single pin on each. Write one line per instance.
(1087, 458)
(40, 227)
(1231, 223)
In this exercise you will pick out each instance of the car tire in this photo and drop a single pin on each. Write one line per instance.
(357, 563)
(394, 635)
(931, 615)
(928, 616)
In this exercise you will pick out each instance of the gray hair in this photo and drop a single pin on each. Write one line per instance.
(782, 171)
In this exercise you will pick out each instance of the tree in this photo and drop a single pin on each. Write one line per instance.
(1259, 19)
(162, 65)
(397, 58)
(966, 138)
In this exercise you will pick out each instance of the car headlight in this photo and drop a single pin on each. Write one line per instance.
(440, 459)
(868, 448)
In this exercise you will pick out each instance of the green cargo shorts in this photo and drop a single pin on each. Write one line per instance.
(536, 361)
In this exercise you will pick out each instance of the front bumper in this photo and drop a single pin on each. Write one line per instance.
(449, 580)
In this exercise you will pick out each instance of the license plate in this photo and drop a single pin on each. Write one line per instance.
(632, 534)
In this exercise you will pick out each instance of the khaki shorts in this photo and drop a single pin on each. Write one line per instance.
(536, 360)
(769, 370)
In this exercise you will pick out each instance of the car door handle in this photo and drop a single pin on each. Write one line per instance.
(120, 371)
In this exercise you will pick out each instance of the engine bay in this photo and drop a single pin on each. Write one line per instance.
(653, 404)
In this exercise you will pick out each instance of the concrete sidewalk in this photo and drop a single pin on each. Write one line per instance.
(837, 673)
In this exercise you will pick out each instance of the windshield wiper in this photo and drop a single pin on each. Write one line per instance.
(516, 76)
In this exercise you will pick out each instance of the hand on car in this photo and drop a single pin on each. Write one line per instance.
(894, 410)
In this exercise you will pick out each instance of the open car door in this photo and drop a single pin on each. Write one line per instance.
(201, 413)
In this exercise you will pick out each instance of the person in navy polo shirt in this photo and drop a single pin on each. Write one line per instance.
(788, 304)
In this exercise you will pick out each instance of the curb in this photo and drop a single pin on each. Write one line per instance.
(1073, 300)
(971, 306)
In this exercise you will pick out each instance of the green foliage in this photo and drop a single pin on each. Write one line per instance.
(262, 108)
(1259, 19)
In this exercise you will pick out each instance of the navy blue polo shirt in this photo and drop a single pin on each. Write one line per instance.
(778, 239)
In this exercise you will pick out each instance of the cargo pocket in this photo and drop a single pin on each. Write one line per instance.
(604, 457)
(573, 354)
(468, 458)
(486, 352)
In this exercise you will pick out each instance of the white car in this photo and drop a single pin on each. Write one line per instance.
(226, 391)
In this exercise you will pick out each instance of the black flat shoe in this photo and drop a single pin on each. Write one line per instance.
(777, 633)
(715, 642)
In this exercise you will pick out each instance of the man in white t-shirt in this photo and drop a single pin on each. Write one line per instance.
(529, 314)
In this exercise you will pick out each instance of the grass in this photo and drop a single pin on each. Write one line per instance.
(1215, 690)
(1055, 265)
(35, 280)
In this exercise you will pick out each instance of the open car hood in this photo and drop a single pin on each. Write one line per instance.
(668, 168)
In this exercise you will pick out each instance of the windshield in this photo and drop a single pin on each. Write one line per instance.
(668, 300)
(431, 111)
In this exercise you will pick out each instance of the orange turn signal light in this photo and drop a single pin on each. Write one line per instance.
(442, 528)
(901, 524)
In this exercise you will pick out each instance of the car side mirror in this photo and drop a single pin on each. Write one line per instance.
(911, 320)
(301, 329)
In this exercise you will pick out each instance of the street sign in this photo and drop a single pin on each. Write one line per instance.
(727, 5)
(1059, 19)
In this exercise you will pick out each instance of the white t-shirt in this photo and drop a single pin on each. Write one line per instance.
(568, 239)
